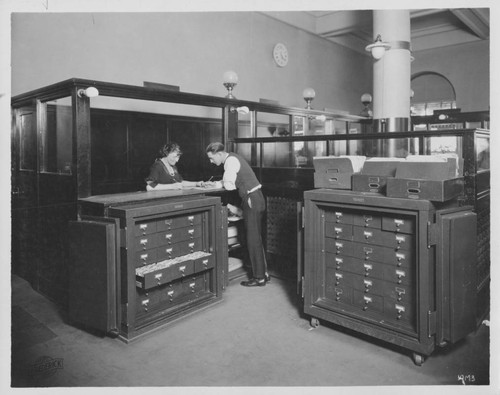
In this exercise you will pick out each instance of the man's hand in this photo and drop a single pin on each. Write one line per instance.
(235, 210)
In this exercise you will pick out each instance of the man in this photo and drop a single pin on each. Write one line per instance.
(239, 175)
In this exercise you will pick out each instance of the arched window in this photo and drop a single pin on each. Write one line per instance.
(431, 91)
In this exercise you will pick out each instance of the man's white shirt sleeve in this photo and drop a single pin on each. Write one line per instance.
(231, 169)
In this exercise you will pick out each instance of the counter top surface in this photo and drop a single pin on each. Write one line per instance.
(130, 197)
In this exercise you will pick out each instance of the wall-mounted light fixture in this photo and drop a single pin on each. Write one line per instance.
(240, 110)
(308, 94)
(378, 48)
(366, 99)
(230, 80)
(89, 92)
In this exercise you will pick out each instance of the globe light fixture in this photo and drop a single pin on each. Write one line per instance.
(89, 92)
(378, 48)
(308, 94)
(230, 80)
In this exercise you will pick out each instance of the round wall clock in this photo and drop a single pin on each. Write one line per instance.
(280, 54)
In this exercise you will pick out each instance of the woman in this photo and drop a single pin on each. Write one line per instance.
(164, 175)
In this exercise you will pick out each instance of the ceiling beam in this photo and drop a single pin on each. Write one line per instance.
(477, 21)
(343, 22)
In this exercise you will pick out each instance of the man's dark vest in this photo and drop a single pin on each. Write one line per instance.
(245, 178)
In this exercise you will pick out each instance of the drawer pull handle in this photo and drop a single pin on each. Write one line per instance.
(192, 285)
(168, 236)
(144, 257)
(367, 300)
(182, 269)
(368, 234)
(144, 242)
(205, 262)
(191, 232)
(400, 309)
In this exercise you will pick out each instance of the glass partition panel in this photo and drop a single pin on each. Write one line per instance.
(272, 125)
(57, 137)
(27, 138)
(245, 151)
(278, 155)
(482, 152)
(127, 134)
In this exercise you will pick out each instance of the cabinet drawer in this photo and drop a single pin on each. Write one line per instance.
(179, 234)
(169, 270)
(399, 224)
(145, 242)
(339, 247)
(398, 275)
(147, 301)
(368, 302)
(339, 294)
(204, 263)
(396, 292)
(150, 301)
(383, 254)
(379, 237)
(144, 228)
(355, 265)
(397, 311)
(339, 217)
(146, 257)
(178, 222)
(178, 249)
(163, 272)
(367, 220)
(338, 231)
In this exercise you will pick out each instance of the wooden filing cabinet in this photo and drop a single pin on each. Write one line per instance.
(400, 270)
(165, 260)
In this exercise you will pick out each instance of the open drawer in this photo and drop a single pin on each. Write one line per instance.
(163, 272)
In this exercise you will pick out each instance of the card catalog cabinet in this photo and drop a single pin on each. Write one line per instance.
(164, 260)
(400, 270)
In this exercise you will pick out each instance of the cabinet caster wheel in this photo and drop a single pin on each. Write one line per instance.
(418, 359)
(314, 322)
